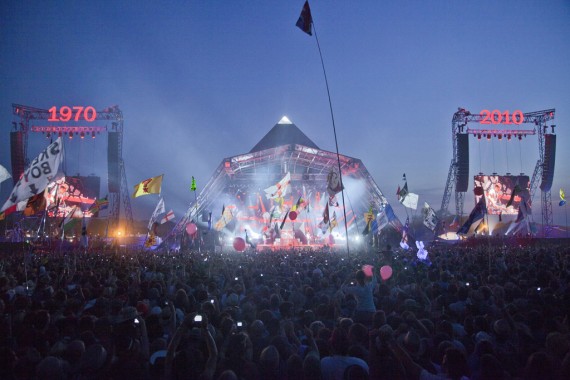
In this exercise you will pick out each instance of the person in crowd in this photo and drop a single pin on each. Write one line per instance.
(493, 312)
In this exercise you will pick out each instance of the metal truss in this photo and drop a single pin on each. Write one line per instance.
(460, 120)
(113, 114)
(306, 165)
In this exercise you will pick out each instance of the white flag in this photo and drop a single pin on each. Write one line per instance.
(430, 218)
(37, 176)
(4, 175)
(159, 209)
(280, 189)
(411, 201)
(169, 216)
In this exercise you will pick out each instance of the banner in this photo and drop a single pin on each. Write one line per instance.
(280, 189)
(430, 218)
(37, 176)
(334, 183)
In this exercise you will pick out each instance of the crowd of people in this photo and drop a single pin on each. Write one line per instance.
(484, 312)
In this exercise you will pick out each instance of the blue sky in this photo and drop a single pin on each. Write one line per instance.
(198, 81)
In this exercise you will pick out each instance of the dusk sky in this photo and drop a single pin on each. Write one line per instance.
(198, 81)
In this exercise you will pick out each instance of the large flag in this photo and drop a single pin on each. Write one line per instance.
(227, 217)
(35, 204)
(334, 183)
(170, 215)
(477, 213)
(193, 185)
(4, 175)
(430, 218)
(37, 176)
(411, 201)
(159, 209)
(280, 189)
(148, 186)
(305, 20)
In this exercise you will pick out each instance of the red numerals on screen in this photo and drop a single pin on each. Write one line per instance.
(505, 117)
(74, 113)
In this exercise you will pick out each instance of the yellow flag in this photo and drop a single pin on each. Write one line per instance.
(148, 186)
(562, 195)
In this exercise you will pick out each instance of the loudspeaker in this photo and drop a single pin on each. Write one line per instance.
(462, 179)
(113, 172)
(548, 163)
(17, 155)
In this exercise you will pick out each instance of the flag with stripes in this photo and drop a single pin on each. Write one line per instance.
(169, 216)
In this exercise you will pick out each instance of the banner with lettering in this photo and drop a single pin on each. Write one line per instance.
(37, 176)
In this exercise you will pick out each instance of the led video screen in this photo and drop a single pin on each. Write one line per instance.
(498, 190)
(72, 193)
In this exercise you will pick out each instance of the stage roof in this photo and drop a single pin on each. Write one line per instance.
(283, 133)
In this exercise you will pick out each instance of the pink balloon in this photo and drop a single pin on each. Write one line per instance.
(386, 272)
(239, 244)
(293, 215)
(191, 229)
(367, 269)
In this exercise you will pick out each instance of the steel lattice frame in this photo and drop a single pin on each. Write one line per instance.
(27, 114)
(460, 120)
(304, 164)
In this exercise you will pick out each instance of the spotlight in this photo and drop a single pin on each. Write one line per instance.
(59, 134)
(70, 135)
(82, 135)
(479, 136)
(500, 136)
(509, 137)
(48, 135)
(93, 134)
(520, 137)
(489, 136)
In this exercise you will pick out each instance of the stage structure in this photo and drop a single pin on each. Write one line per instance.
(458, 176)
(82, 122)
(239, 185)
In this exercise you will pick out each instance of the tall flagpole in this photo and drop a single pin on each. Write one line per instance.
(335, 138)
